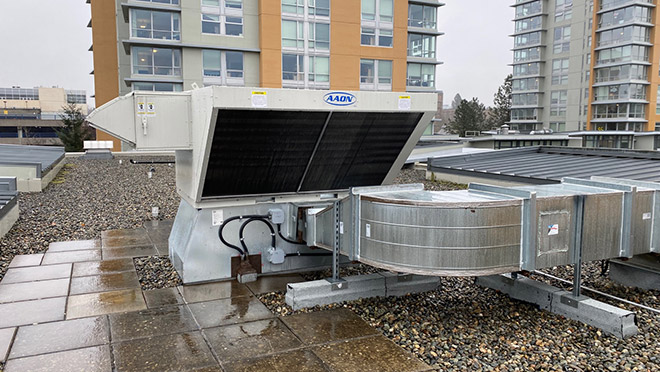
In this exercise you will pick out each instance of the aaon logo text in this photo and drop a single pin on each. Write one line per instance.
(340, 99)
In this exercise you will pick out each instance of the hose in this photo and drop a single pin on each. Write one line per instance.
(251, 219)
(225, 242)
(279, 232)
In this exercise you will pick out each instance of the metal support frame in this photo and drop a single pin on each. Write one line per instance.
(577, 246)
(337, 282)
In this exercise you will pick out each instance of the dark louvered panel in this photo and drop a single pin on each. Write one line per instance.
(260, 151)
(358, 149)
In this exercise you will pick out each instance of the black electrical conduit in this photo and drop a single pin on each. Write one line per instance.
(151, 162)
(224, 224)
(263, 218)
(242, 229)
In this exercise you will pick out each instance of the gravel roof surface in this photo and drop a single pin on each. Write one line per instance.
(459, 327)
(87, 197)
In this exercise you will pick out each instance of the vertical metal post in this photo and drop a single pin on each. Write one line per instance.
(577, 249)
(335, 250)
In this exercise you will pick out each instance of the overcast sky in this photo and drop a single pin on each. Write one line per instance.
(45, 43)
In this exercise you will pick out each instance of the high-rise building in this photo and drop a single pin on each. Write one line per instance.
(585, 65)
(170, 45)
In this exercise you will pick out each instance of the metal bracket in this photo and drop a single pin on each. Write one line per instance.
(572, 301)
(338, 285)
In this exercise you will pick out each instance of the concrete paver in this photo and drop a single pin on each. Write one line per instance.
(213, 291)
(229, 311)
(23, 260)
(6, 336)
(33, 290)
(59, 336)
(103, 267)
(162, 297)
(33, 273)
(178, 352)
(153, 322)
(246, 340)
(104, 283)
(91, 359)
(298, 361)
(29, 312)
(71, 256)
(372, 354)
(326, 326)
(136, 251)
(92, 304)
(74, 245)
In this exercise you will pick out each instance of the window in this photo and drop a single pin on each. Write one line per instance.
(528, 24)
(530, 54)
(523, 114)
(528, 9)
(531, 38)
(563, 10)
(562, 39)
(222, 17)
(319, 36)
(525, 84)
(314, 74)
(525, 99)
(422, 16)
(560, 71)
(422, 46)
(526, 69)
(623, 35)
(377, 23)
(421, 75)
(375, 74)
(558, 101)
(22, 94)
(76, 96)
(558, 126)
(156, 61)
(155, 25)
(623, 72)
(619, 92)
(222, 67)
(319, 8)
(157, 87)
(293, 6)
(625, 15)
(657, 106)
(623, 54)
(613, 110)
(293, 34)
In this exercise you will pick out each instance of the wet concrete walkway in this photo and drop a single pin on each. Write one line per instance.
(79, 307)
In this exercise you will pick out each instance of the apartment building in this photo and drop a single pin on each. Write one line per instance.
(172, 45)
(585, 65)
(29, 116)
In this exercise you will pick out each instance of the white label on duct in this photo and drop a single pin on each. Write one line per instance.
(367, 231)
(341, 227)
(646, 216)
(405, 102)
(553, 229)
(259, 99)
(217, 217)
(151, 109)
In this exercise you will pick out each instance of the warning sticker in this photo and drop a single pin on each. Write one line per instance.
(405, 102)
(259, 99)
(217, 217)
(367, 231)
(553, 229)
(151, 109)
(141, 108)
(646, 216)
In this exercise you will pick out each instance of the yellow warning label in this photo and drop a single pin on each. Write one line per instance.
(404, 97)
(260, 93)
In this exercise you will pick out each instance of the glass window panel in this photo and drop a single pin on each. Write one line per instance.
(386, 10)
(234, 64)
(211, 2)
(141, 21)
(211, 62)
(385, 38)
(369, 9)
(367, 71)
(234, 26)
(385, 72)
(368, 36)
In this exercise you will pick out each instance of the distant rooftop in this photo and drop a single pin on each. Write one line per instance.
(542, 164)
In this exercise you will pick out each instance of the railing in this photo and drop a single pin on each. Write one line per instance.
(623, 41)
(613, 3)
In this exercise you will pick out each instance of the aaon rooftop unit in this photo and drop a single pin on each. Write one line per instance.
(270, 156)
(271, 180)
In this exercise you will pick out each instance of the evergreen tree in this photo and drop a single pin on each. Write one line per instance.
(469, 116)
(500, 114)
(75, 131)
